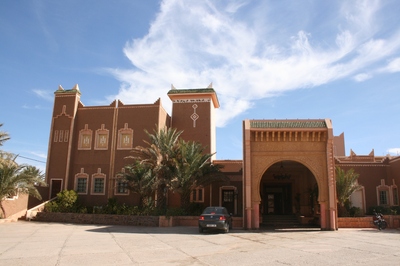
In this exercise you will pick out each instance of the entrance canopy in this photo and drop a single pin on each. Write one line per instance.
(308, 142)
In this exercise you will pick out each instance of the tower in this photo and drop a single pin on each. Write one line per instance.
(193, 113)
(60, 142)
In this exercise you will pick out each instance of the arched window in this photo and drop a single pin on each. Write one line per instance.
(85, 139)
(81, 182)
(98, 183)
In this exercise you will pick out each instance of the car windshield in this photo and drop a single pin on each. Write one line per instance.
(213, 210)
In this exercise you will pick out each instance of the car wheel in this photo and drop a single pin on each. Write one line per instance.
(200, 230)
(227, 228)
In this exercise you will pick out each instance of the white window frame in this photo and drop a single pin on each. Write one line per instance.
(194, 195)
(98, 175)
(77, 184)
(383, 188)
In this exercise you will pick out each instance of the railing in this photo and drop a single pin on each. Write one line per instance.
(31, 213)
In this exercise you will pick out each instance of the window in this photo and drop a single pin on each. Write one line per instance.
(125, 138)
(228, 195)
(122, 187)
(85, 139)
(55, 135)
(60, 136)
(197, 195)
(66, 135)
(383, 197)
(98, 185)
(81, 185)
(101, 142)
(382, 193)
(395, 196)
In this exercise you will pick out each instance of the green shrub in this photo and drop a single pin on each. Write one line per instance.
(52, 206)
(66, 201)
(356, 212)
(175, 212)
(393, 210)
(195, 209)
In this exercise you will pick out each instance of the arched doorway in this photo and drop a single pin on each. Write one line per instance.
(307, 145)
(289, 196)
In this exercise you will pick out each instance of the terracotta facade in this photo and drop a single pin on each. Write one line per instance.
(87, 147)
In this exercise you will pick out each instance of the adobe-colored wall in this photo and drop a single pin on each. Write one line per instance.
(366, 222)
(44, 192)
(110, 161)
(15, 207)
(198, 130)
(394, 172)
(370, 177)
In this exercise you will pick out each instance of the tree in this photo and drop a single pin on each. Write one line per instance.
(193, 168)
(3, 136)
(21, 178)
(346, 184)
(170, 163)
(159, 157)
(140, 180)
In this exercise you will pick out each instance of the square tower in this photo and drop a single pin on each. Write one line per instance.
(193, 113)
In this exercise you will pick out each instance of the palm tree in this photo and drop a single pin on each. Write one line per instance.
(193, 169)
(3, 136)
(159, 156)
(21, 178)
(140, 180)
(346, 184)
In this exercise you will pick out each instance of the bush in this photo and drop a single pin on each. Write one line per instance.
(66, 201)
(175, 212)
(356, 212)
(395, 210)
(392, 210)
(195, 209)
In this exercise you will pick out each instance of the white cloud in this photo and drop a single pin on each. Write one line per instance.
(47, 95)
(362, 77)
(394, 151)
(40, 155)
(394, 65)
(193, 43)
(37, 107)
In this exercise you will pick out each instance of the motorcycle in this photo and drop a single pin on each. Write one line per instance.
(379, 221)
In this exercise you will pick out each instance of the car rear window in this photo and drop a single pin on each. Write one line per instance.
(213, 211)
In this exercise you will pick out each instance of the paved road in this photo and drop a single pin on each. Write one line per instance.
(35, 243)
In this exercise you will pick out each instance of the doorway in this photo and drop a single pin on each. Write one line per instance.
(277, 199)
(56, 186)
(228, 200)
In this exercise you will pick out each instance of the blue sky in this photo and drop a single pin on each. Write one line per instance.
(266, 59)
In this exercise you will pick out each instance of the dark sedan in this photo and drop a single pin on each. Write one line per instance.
(216, 218)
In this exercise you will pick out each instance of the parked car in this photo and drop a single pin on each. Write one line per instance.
(215, 218)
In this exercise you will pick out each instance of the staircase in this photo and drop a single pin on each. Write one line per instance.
(281, 221)
(31, 213)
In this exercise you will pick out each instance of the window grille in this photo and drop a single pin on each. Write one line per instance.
(98, 185)
(81, 185)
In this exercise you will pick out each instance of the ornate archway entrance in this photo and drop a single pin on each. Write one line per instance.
(268, 144)
(289, 196)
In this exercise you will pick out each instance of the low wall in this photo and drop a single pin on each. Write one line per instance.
(15, 207)
(366, 222)
(109, 219)
(237, 222)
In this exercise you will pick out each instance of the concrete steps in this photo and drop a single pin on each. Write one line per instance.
(281, 221)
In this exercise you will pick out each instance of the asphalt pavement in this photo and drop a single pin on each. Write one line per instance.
(36, 243)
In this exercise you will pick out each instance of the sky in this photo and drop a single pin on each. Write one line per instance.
(267, 59)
